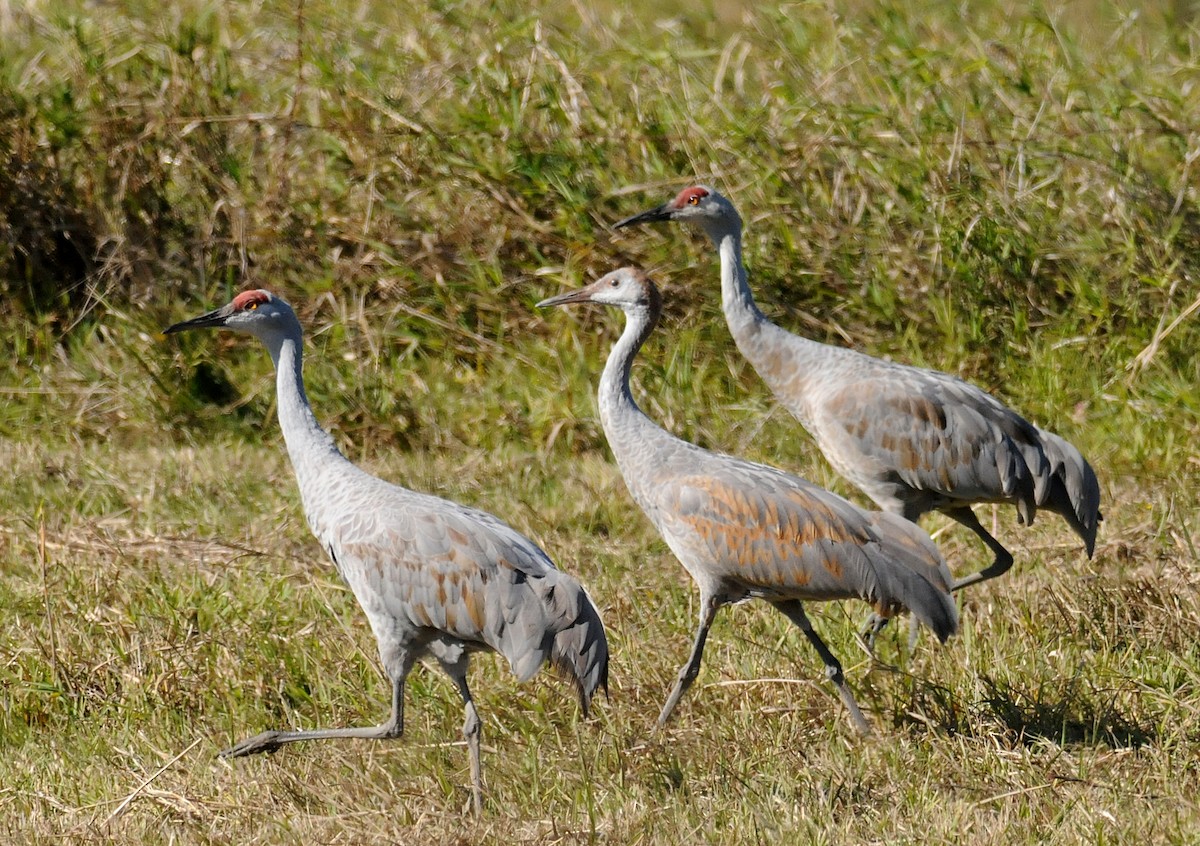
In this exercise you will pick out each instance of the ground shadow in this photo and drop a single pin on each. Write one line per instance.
(1064, 711)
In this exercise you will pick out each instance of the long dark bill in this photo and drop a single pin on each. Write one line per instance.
(216, 317)
(579, 296)
(653, 215)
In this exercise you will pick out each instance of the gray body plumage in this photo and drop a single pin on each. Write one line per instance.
(746, 530)
(438, 578)
(917, 440)
(743, 529)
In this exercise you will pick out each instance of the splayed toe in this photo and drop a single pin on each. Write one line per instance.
(265, 742)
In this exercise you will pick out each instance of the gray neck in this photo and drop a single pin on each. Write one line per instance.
(789, 364)
(741, 312)
(309, 447)
(626, 426)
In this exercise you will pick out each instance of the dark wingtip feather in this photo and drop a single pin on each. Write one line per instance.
(935, 608)
(1074, 490)
(945, 626)
(586, 696)
(913, 575)
(579, 650)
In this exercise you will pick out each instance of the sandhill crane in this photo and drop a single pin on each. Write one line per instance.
(911, 439)
(434, 578)
(745, 530)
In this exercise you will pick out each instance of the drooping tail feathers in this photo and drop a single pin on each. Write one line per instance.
(911, 574)
(549, 617)
(1073, 491)
(581, 649)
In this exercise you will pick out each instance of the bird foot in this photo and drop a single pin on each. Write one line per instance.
(870, 630)
(914, 634)
(268, 741)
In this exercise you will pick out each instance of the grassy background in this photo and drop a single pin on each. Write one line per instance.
(1004, 191)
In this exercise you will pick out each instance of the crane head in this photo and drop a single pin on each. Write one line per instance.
(697, 204)
(627, 288)
(257, 312)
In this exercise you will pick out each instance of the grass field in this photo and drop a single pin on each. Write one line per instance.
(1009, 194)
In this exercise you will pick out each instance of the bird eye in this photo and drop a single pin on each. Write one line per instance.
(252, 307)
(615, 283)
(694, 200)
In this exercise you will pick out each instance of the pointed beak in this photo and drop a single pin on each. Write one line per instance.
(216, 317)
(653, 215)
(582, 295)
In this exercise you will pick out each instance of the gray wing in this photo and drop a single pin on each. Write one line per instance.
(421, 563)
(1074, 491)
(779, 536)
(934, 433)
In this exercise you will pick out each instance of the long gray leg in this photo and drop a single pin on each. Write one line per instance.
(269, 741)
(833, 668)
(471, 730)
(999, 565)
(709, 604)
